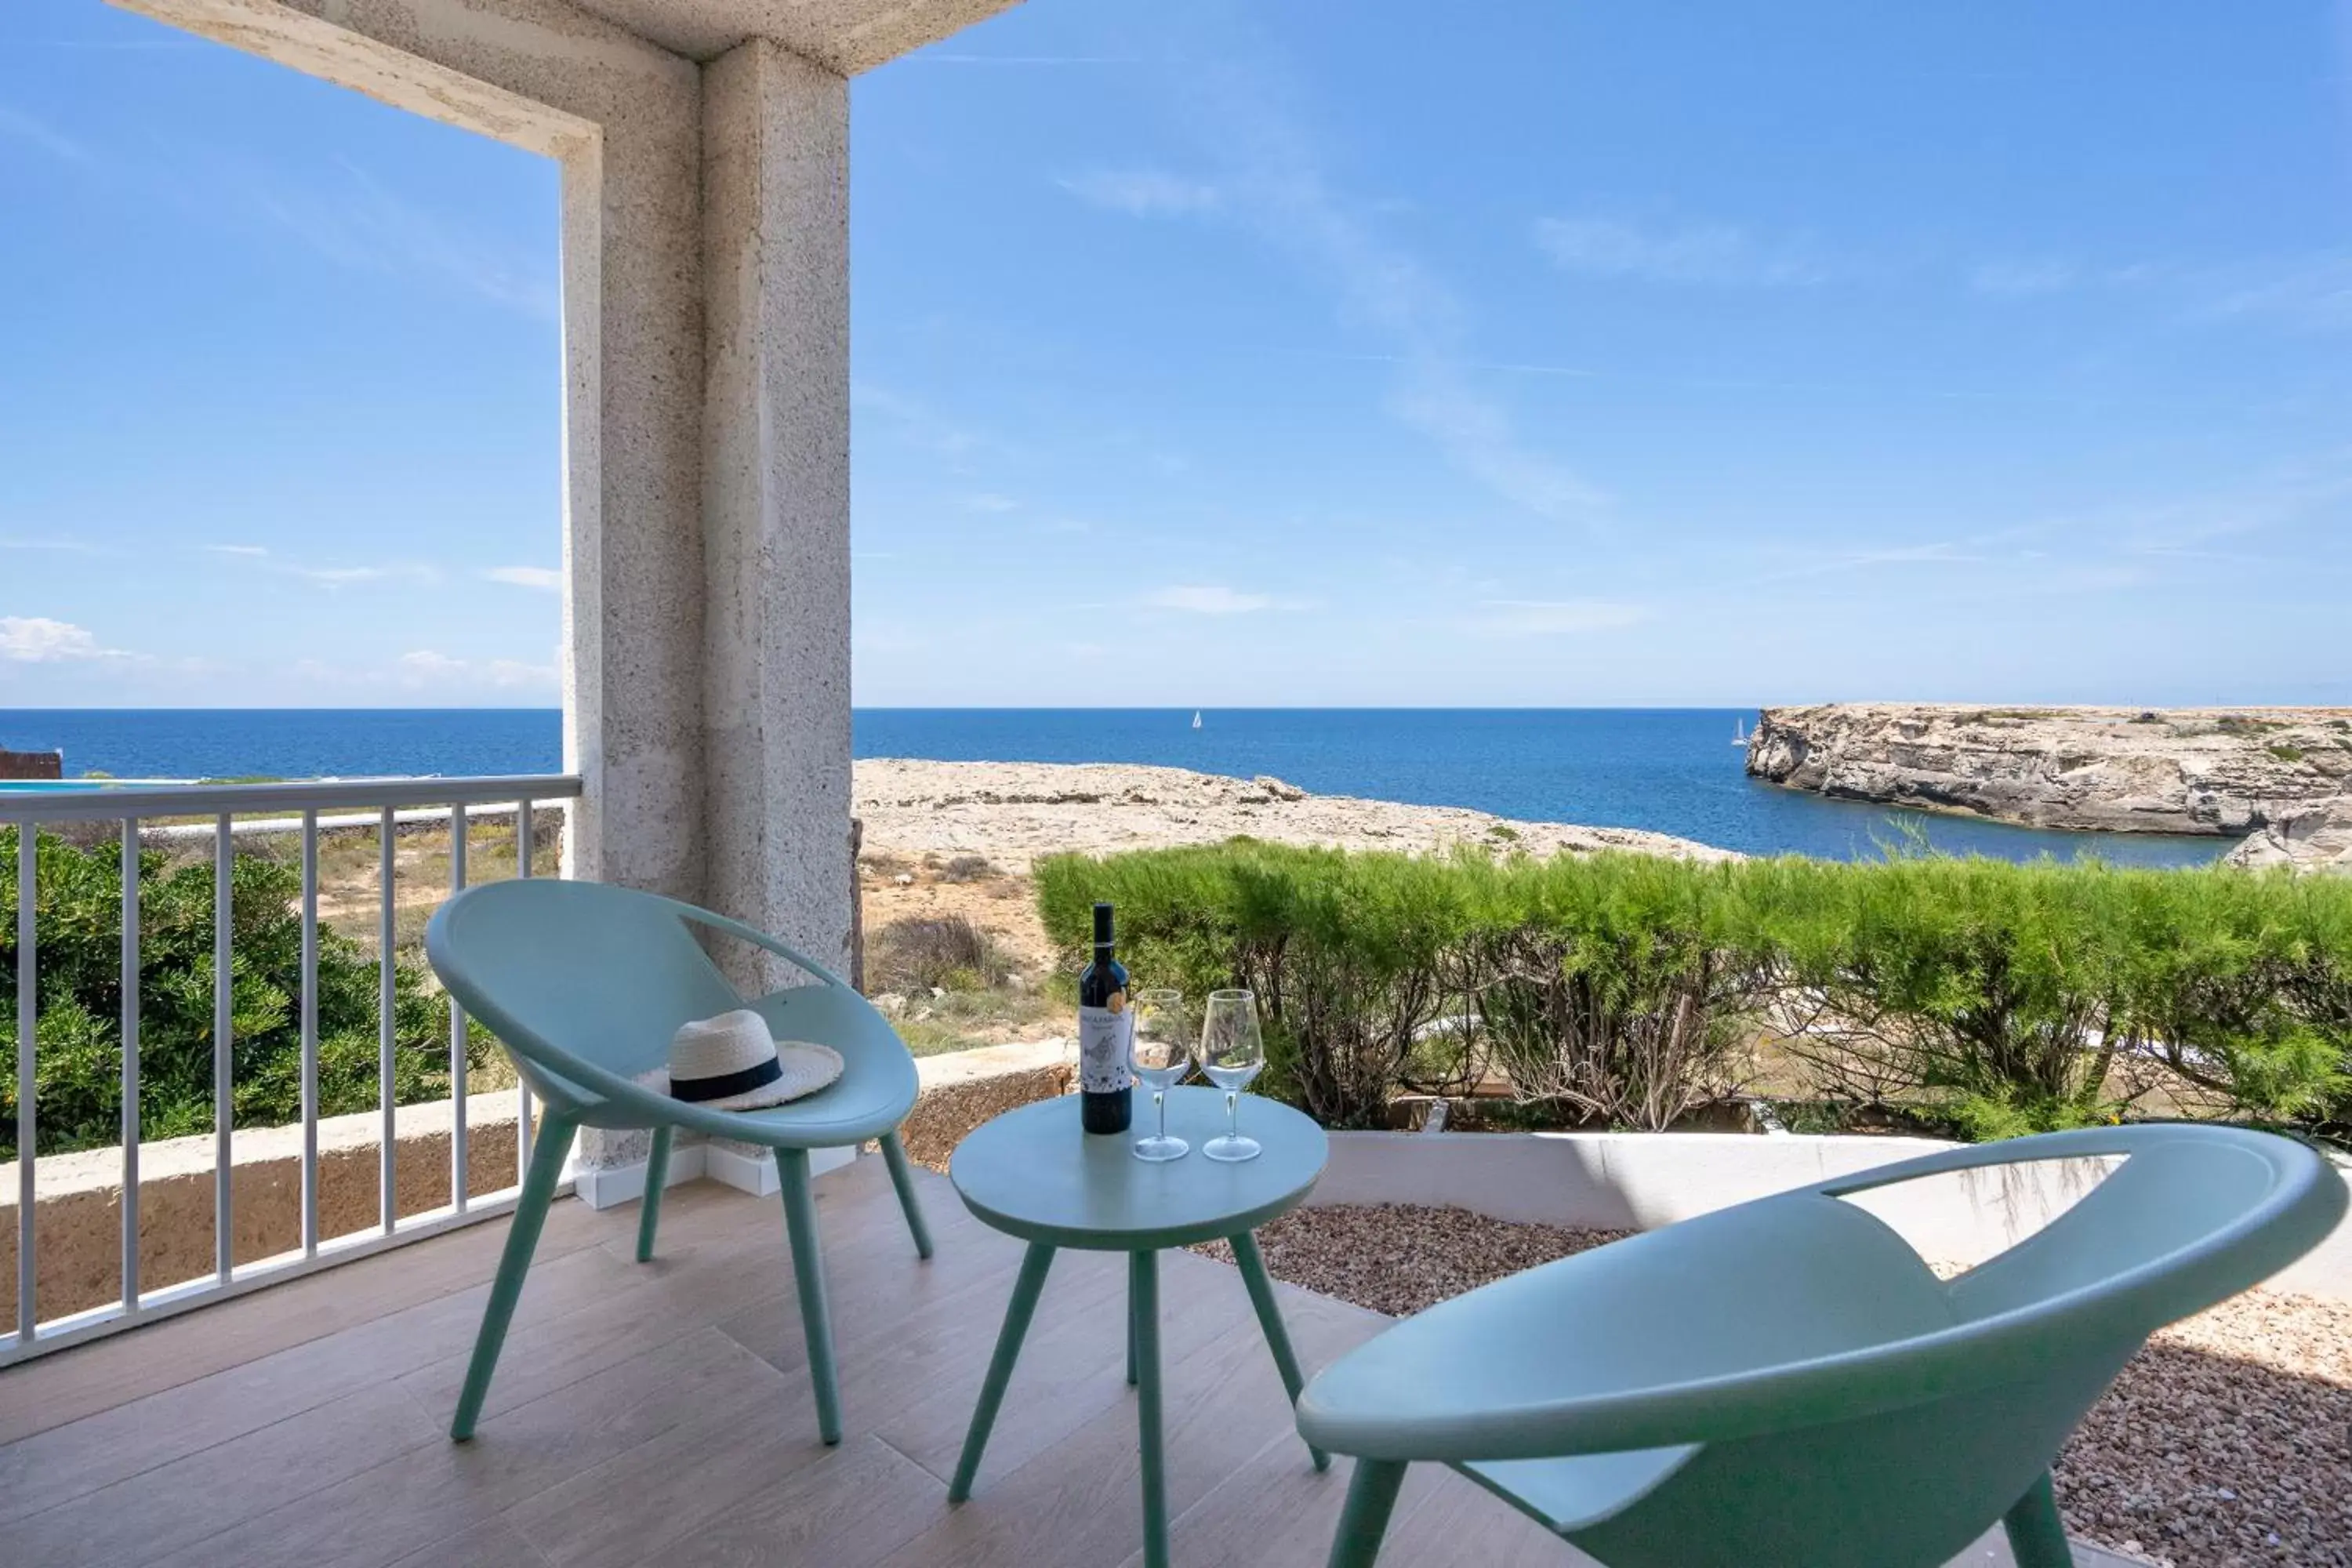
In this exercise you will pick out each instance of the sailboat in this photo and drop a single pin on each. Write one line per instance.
(1196, 718)
(1739, 732)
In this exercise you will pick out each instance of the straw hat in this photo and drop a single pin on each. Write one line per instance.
(732, 1062)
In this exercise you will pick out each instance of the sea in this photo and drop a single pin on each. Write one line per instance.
(1671, 770)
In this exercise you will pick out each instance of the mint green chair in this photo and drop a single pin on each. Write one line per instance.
(1785, 1381)
(584, 984)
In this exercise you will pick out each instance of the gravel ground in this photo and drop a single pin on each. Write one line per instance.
(2227, 1441)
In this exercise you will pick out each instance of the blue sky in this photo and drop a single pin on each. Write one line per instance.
(1213, 353)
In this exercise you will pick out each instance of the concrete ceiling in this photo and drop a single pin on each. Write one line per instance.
(846, 36)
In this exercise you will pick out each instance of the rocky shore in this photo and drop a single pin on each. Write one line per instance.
(1010, 813)
(2232, 771)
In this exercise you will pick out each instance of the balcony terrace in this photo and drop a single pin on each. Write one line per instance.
(660, 1413)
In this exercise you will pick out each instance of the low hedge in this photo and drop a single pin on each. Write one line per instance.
(1984, 997)
(77, 1062)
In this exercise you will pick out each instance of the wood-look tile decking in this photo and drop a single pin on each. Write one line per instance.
(660, 1414)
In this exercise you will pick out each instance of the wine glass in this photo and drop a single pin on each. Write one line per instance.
(1160, 1050)
(1232, 1051)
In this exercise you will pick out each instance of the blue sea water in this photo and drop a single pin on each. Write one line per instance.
(1670, 770)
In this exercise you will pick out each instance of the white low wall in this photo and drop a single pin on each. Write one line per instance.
(1639, 1181)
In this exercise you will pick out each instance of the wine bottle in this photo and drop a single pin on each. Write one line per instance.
(1105, 1093)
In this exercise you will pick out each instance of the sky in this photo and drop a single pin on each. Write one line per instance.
(1296, 352)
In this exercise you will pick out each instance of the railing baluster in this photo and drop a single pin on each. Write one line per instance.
(311, 1033)
(523, 845)
(223, 1045)
(224, 814)
(28, 838)
(457, 1028)
(387, 995)
(130, 980)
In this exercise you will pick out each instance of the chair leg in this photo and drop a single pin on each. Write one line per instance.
(2037, 1536)
(547, 1157)
(1017, 1313)
(1371, 1496)
(650, 1206)
(894, 1154)
(808, 1278)
(1269, 1318)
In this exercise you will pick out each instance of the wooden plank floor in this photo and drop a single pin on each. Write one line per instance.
(661, 1413)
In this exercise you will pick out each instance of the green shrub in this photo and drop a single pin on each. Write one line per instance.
(1617, 987)
(1986, 997)
(2240, 987)
(1982, 983)
(78, 1051)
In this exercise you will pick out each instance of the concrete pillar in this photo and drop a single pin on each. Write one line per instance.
(706, 425)
(776, 500)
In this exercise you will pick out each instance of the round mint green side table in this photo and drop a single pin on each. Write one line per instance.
(1033, 1172)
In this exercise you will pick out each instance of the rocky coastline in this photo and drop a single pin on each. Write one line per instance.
(1012, 813)
(2231, 772)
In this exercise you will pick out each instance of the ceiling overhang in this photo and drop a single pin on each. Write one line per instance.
(844, 36)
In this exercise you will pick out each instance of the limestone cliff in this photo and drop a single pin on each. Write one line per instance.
(2203, 770)
(2317, 838)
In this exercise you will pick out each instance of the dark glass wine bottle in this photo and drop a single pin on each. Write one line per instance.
(1106, 1097)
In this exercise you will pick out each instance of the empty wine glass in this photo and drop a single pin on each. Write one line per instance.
(1160, 1049)
(1232, 1051)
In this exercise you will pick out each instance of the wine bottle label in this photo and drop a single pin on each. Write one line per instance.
(1103, 1034)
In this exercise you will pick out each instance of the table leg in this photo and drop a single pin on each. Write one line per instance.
(1143, 1297)
(1131, 1339)
(1017, 1313)
(1269, 1317)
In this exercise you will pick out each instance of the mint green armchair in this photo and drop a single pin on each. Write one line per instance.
(1785, 1381)
(584, 984)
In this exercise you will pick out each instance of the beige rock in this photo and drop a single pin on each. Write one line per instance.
(2318, 840)
(1013, 812)
(2205, 770)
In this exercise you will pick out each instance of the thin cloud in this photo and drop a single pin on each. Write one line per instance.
(1862, 558)
(425, 667)
(1556, 618)
(428, 670)
(22, 127)
(329, 576)
(930, 56)
(2024, 279)
(60, 546)
(1215, 599)
(989, 502)
(2309, 294)
(37, 640)
(361, 224)
(919, 423)
(1277, 183)
(1717, 255)
(1142, 193)
(351, 576)
(546, 579)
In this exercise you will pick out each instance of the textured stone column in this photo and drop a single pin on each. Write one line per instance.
(776, 500)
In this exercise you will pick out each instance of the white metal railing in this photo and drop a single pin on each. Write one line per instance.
(387, 803)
